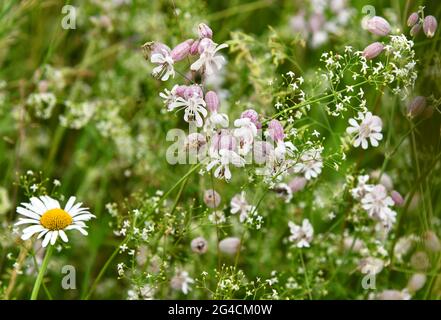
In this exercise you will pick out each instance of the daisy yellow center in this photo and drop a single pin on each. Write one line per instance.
(55, 219)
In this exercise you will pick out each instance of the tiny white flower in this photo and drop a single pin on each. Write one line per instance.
(301, 235)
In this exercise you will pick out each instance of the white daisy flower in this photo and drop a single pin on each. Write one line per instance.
(301, 235)
(310, 164)
(208, 61)
(369, 128)
(46, 218)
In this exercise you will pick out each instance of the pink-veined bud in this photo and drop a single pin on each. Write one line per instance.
(182, 50)
(192, 91)
(199, 245)
(203, 44)
(373, 50)
(416, 106)
(194, 48)
(415, 30)
(297, 184)
(212, 101)
(253, 116)
(378, 26)
(180, 91)
(397, 198)
(413, 19)
(211, 198)
(416, 282)
(429, 26)
(223, 140)
(275, 130)
(204, 31)
(230, 245)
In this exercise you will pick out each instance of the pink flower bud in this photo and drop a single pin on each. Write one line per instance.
(397, 198)
(429, 26)
(211, 198)
(192, 91)
(204, 31)
(194, 47)
(262, 151)
(253, 116)
(199, 245)
(182, 50)
(212, 101)
(420, 260)
(297, 184)
(180, 91)
(203, 44)
(413, 19)
(378, 26)
(416, 282)
(416, 106)
(415, 30)
(275, 130)
(223, 140)
(230, 245)
(316, 22)
(373, 50)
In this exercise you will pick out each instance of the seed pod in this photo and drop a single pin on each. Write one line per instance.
(415, 30)
(378, 26)
(211, 198)
(373, 50)
(230, 245)
(204, 31)
(431, 241)
(199, 245)
(429, 26)
(416, 282)
(397, 198)
(413, 19)
(182, 50)
(212, 101)
(416, 106)
(275, 130)
(420, 261)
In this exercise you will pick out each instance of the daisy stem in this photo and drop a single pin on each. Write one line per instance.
(41, 273)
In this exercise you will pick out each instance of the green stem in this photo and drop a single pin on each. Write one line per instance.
(41, 273)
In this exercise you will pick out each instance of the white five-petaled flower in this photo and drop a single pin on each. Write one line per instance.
(164, 60)
(301, 235)
(194, 106)
(181, 281)
(49, 220)
(369, 128)
(209, 62)
(222, 159)
(376, 202)
(240, 205)
(310, 164)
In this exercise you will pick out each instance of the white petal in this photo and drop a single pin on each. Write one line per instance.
(38, 204)
(26, 221)
(33, 229)
(28, 213)
(83, 217)
(69, 204)
(63, 236)
(46, 239)
(54, 237)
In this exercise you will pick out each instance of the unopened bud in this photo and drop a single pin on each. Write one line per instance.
(230, 245)
(413, 19)
(429, 26)
(199, 245)
(194, 47)
(297, 184)
(415, 30)
(275, 130)
(431, 241)
(416, 106)
(378, 26)
(204, 31)
(397, 198)
(212, 101)
(373, 50)
(420, 261)
(416, 282)
(253, 116)
(182, 50)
